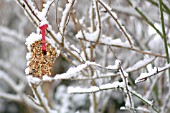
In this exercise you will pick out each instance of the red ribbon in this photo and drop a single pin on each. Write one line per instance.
(43, 29)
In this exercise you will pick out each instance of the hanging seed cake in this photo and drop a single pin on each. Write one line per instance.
(40, 63)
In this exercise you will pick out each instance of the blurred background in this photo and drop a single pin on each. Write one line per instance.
(15, 27)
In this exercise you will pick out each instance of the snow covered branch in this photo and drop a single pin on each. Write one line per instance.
(39, 98)
(156, 70)
(91, 37)
(115, 43)
(114, 16)
(115, 86)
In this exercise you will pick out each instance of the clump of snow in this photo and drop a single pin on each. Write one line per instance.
(31, 39)
(33, 80)
(45, 9)
(114, 67)
(43, 22)
(27, 71)
(89, 36)
(125, 74)
(28, 56)
(143, 109)
(144, 76)
(47, 78)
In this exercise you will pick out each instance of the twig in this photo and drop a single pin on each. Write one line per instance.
(41, 103)
(65, 19)
(33, 16)
(145, 18)
(165, 44)
(127, 47)
(107, 75)
(82, 45)
(148, 75)
(125, 80)
(145, 101)
(164, 34)
(166, 9)
(116, 20)
(36, 4)
(115, 86)
(49, 7)
(98, 19)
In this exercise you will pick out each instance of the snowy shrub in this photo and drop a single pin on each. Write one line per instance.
(111, 56)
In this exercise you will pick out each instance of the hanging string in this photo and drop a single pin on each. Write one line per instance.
(43, 29)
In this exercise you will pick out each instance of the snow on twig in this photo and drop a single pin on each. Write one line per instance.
(72, 73)
(140, 109)
(114, 16)
(93, 89)
(46, 8)
(124, 75)
(92, 37)
(40, 99)
(105, 40)
(115, 85)
(154, 71)
(140, 64)
(65, 15)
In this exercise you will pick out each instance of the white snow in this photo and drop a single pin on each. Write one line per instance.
(28, 56)
(27, 71)
(103, 39)
(140, 63)
(43, 22)
(59, 37)
(35, 37)
(32, 79)
(127, 102)
(89, 36)
(144, 76)
(95, 88)
(143, 109)
(65, 15)
(47, 78)
(114, 67)
(46, 6)
(31, 39)
(74, 70)
(75, 48)
(155, 70)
